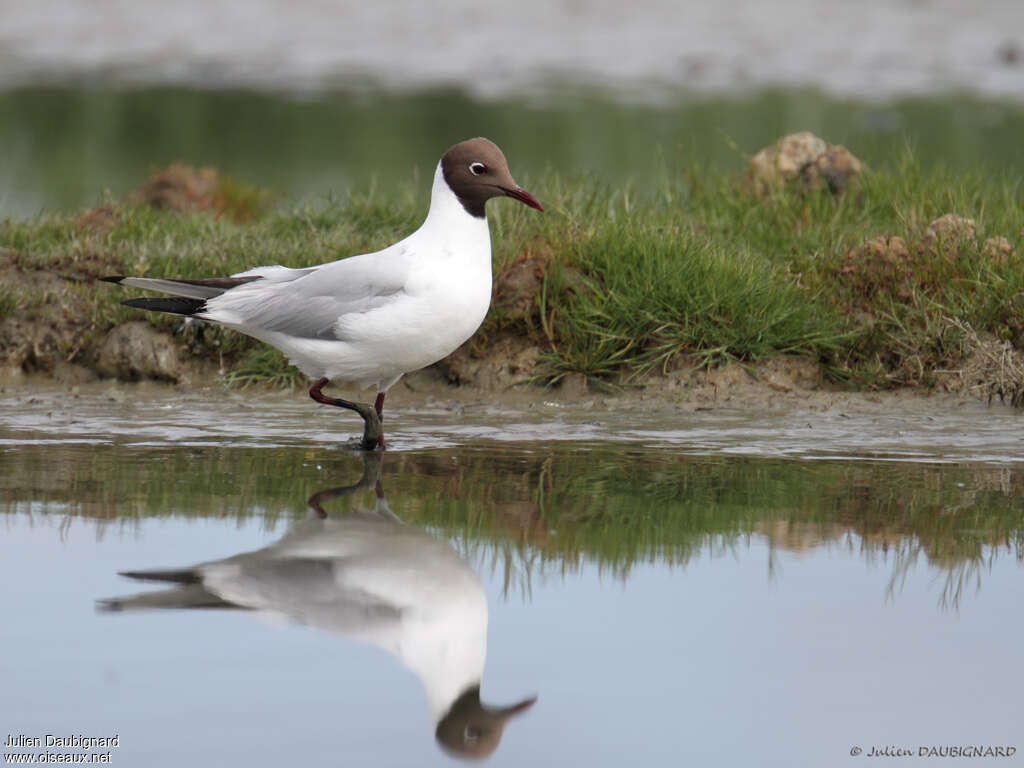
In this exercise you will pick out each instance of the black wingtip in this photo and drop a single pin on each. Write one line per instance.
(185, 576)
(175, 306)
(113, 278)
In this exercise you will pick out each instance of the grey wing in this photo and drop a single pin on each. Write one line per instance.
(311, 305)
(309, 591)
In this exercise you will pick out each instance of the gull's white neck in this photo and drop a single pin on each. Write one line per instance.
(448, 658)
(450, 224)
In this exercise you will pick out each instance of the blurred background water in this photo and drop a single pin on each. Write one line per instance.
(312, 98)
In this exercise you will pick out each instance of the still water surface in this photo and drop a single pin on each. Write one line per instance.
(663, 602)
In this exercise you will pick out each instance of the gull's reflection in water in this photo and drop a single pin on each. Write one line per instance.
(370, 577)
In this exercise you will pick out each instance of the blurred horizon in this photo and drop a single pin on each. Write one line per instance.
(649, 50)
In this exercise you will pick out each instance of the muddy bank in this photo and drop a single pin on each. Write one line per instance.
(138, 362)
(57, 343)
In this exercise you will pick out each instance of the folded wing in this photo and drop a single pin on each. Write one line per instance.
(301, 303)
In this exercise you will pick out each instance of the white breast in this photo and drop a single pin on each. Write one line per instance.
(446, 297)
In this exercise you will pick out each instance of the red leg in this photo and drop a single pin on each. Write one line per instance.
(320, 397)
(379, 405)
(373, 434)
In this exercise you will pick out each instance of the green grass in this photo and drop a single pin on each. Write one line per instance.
(264, 365)
(692, 269)
(703, 268)
(655, 294)
(8, 303)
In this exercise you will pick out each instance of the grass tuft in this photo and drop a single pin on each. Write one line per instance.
(8, 303)
(264, 365)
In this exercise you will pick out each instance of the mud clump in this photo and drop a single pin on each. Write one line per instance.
(889, 264)
(731, 381)
(804, 159)
(998, 250)
(30, 346)
(517, 288)
(881, 264)
(950, 229)
(136, 351)
(180, 188)
(493, 366)
(42, 325)
(98, 221)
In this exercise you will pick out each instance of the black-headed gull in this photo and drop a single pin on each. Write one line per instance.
(368, 577)
(369, 319)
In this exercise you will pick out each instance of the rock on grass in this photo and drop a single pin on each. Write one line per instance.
(805, 159)
(136, 351)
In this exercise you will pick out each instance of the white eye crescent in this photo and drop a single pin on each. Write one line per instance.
(477, 168)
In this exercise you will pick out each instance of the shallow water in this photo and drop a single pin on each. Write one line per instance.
(712, 588)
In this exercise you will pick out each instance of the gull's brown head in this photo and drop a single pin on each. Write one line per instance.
(472, 729)
(476, 171)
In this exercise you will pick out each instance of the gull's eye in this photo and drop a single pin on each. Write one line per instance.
(477, 168)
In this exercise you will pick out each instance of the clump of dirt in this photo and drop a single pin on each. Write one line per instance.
(98, 221)
(804, 159)
(29, 346)
(492, 365)
(889, 264)
(884, 263)
(181, 188)
(137, 351)
(950, 229)
(517, 288)
(998, 250)
(45, 329)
